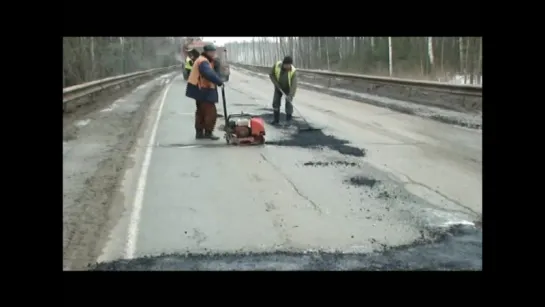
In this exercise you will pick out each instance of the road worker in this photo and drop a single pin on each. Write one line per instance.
(188, 64)
(192, 55)
(202, 86)
(285, 82)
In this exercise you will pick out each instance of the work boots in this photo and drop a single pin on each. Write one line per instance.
(199, 134)
(276, 119)
(288, 117)
(209, 135)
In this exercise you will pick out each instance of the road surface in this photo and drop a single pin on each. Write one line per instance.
(369, 180)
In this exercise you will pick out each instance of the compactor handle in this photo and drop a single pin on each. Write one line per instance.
(224, 105)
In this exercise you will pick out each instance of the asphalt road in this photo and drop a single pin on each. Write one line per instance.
(370, 180)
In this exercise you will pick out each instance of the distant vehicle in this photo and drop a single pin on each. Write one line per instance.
(221, 53)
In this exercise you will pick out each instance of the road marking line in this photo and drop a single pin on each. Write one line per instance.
(190, 146)
(110, 108)
(82, 123)
(141, 185)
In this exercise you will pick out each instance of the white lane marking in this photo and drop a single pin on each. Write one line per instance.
(110, 108)
(83, 122)
(141, 185)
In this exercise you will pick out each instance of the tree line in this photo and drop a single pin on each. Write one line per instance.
(91, 58)
(429, 58)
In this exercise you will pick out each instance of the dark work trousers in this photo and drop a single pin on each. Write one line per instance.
(205, 116)
(277, 102)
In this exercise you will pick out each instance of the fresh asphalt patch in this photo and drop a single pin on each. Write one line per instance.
(315, 139)
(361, 181)
(454, 248)
(333, 163)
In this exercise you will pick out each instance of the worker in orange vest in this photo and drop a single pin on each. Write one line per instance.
(202, 86)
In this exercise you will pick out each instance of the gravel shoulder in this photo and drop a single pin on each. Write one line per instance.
(96, 147)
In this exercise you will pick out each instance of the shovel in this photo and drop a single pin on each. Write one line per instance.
(309, 127)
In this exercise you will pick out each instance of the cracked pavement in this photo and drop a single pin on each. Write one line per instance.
(369, 181)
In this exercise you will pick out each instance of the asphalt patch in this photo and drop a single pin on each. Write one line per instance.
(334, 163)
(361, 181)
(313, 139)
(384, 195)
(456, 248)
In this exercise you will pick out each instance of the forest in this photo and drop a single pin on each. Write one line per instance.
(91, 58)
(446, 59)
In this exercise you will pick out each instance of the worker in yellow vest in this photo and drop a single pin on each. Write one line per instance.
(189, 61)
(188, 64)
(285, 83)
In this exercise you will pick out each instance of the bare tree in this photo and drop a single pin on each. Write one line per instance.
(428, 58)
(390, 60)
(431, 54)
(90, 58)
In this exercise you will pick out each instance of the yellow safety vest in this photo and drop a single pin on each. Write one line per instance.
(277, 72)
(187, 64)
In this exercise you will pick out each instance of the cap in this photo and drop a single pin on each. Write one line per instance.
(209, 47)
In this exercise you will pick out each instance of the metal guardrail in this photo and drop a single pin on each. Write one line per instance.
(447, 87)
(455, 96)
(76, 92)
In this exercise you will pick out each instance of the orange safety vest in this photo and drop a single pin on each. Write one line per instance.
(195, 77)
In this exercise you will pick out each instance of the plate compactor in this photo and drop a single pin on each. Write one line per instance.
(242, 128)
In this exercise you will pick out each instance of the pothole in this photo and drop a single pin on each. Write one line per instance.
(362, 181)
(333, 163)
